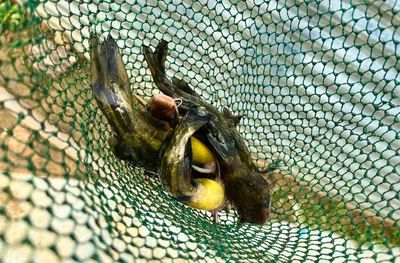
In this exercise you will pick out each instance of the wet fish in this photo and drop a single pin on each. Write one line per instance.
(176, 167)
(146, 140)
(137, 135)
(245, 187)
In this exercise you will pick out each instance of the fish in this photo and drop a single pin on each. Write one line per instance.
(144, 139)
(137, 135)
(246, 188)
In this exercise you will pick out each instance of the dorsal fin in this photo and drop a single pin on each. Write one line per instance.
(183, 85)
(234, 119)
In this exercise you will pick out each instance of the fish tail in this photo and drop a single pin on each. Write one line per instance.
(107, 67)
(110, 83)
(156, 59)
(175, 88)
(114, 67)
(156, 62)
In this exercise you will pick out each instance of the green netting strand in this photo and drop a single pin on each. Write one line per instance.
(317, 83)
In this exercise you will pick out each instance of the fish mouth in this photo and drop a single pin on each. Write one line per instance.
(257, 218)
(258, 221)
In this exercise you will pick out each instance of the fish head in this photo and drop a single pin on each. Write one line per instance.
(249, 193)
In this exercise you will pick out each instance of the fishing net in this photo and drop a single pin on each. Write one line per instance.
(317, 83)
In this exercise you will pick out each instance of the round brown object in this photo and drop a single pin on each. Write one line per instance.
(164, 108)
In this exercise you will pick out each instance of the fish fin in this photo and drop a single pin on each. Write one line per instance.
(156, 62)
(183, 86)
(219, 147)
(111, 85)
(234, 119)
(114, 66)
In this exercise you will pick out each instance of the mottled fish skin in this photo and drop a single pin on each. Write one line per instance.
(176, 167)
(245, 187)
(175, 170)
(146, 140)
(138, 135)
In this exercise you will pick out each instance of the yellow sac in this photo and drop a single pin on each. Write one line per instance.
(201, 153)
(210, 195)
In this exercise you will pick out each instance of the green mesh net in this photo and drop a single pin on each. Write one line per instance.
(317, 83)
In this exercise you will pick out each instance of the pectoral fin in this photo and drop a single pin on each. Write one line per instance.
(183, 86)
(233, 119)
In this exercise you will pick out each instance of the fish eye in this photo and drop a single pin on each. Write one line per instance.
(267, 203)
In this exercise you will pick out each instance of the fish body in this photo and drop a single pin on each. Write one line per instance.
(176, 171)
(137, 135)
(245, 187)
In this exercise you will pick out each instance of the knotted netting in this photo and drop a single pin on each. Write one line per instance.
(317, 83)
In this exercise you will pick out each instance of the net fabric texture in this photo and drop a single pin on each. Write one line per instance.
(317, 83)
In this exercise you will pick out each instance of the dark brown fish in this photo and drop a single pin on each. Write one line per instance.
(245, 187)
(137, 135)
(146, 140)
